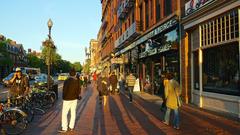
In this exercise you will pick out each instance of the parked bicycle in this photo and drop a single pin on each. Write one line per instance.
(13, 121)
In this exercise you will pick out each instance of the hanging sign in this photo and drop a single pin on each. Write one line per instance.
(194, 5)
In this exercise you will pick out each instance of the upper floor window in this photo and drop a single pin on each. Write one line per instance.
(158, 12)
(147, 15)
(167, 7)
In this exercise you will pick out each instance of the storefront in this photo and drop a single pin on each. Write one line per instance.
(213, 43)
(159, 54)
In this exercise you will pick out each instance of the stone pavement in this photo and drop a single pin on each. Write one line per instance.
(119, 117)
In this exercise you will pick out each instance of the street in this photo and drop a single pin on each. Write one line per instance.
(119, 117)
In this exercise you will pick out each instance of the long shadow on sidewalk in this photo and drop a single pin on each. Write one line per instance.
(83, 103)
(99, 119)
(117, 115)
(141, 117)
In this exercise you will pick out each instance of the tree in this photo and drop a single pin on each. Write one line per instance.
(34, 61)
(86, 67)
(78, 67)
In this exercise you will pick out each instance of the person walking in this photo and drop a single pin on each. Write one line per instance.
(130, 80)
(172, 93)
(113, 82)
(104, 85)
(94, 76)
(71, 94)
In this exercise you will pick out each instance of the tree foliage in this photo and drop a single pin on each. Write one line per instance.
(4, 55)
(78, 67)
(86, 67)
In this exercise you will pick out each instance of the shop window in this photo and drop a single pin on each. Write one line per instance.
(221, 69)
(172, 64)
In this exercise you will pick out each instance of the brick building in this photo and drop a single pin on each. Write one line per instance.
(17, 55)
(210, 54)
(94, 54)
(196, 40)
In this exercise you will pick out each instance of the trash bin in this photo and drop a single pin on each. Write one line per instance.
(55, 89)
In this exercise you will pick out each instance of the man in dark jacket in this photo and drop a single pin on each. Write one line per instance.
(113, 82)
(71, 94)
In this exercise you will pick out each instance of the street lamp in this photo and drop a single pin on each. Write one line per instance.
(49, 44)
(50, 24)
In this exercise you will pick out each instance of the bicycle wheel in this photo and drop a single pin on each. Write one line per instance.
(38, 111)
(13, 122)
(48, 100)
(30, 113)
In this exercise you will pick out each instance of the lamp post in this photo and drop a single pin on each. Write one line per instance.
(49, 44)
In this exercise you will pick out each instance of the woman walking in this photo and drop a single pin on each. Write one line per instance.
(105, 85)
(172, 93)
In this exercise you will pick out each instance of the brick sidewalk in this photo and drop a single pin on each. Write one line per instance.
(119, 117)
(200, 121)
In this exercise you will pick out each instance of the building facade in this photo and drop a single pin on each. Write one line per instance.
(17, 55)
(210, 53)
(147, 40)
(196, 40)
(93, 55)
(107, 30)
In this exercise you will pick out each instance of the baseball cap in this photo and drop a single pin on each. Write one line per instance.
(18, 70)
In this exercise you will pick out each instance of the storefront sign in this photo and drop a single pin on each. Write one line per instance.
(143, 54)
(164, 48)
(152, 52)
(117, 61)
(194, 5)
(158, 30)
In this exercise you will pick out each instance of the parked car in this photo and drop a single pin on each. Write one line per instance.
(6, 79)
(63, 76)
(41, 80)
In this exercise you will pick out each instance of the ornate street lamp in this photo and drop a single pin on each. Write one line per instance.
(49, 44)
(50, 24)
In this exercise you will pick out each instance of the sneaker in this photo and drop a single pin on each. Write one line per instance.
(177, 128)
(62, 131)
(164, 122)
(70, 129)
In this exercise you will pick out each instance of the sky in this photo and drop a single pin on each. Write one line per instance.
(75, 23)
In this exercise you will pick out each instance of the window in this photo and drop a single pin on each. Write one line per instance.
(141, 16)
(151, 9)
(133, 17)
(168, 7)
(221, 69)
(224, 28)
(147, 15)
(158, 13)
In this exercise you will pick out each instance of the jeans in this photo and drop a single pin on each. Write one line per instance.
(130, 91)
(67, 106)
(176, 117)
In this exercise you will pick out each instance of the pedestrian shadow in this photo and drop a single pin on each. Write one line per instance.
(99, 121)
(83, 103)
(141, 117)
(117, 115)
